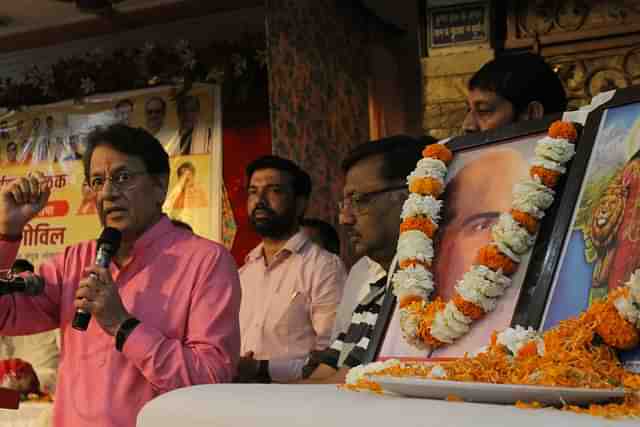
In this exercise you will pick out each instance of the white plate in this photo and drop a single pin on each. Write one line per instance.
(494, 393)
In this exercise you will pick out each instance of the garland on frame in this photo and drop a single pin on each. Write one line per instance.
(567, 355)
(429, 325)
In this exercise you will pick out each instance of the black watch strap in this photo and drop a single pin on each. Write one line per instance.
(263, 371)
(125, 330)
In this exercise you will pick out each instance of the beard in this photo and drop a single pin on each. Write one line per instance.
(273, 226)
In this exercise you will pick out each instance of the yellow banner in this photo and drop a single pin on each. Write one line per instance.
(52, 139)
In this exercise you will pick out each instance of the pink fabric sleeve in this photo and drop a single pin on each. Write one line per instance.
(210, 351)
(39, 313)
(326, 294)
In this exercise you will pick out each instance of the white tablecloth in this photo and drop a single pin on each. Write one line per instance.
(30, 414)
(271, 405)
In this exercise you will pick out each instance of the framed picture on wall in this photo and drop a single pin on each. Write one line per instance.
(602, 248)
(480, 183)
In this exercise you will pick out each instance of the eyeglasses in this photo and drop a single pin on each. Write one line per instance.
(122, 181)
(358, 202)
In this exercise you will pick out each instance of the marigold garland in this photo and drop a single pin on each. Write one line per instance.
(566, 130)
(567, 355)
(512, 237)
(548, 177)
(493, 258)
(427, 187)
(423, 224)
(525, 220)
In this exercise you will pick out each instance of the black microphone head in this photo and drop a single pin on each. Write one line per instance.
(110, 237)
(33, 285)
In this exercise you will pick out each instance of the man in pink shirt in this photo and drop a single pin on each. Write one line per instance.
(165, 313)
(290, 286)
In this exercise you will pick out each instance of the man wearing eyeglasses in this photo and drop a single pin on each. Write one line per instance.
(374, 192)
(291, 287)
(165, 312)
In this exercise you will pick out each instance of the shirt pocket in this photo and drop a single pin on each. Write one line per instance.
(294, 317)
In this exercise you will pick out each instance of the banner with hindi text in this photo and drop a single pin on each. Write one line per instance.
(52, 139)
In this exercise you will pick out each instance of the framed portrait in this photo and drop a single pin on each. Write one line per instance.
(602, 222)
(479, 188)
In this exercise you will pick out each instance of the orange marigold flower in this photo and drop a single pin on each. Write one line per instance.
(467, 308)
(421, 223)
(528, 350)
(430, 340)
(438, 151)
(614, 330)
(526, 220)
(490, 256)
(566, 130)
(548, 177)
(426, 186)
(413, 262)
(494, 338)
(406, 300)
(428, 313)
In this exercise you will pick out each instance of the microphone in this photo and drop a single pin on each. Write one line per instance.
(29, 284)
(108, 245)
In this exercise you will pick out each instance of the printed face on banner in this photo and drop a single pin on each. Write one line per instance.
(53, 139)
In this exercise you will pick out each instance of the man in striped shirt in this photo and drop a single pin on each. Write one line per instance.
(374, 192)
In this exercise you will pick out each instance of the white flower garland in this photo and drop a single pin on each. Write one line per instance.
(429, 325)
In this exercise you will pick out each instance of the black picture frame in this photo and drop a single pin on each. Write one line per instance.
(531, 301)
(576, 180)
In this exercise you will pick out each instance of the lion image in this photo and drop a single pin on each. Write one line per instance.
(606, 218)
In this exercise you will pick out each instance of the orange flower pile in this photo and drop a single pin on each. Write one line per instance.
(572, 358)
(615, 330)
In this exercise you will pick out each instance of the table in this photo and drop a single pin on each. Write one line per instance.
(30, 414)
(272, 405)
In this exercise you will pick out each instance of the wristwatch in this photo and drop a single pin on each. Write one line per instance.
(125, 330)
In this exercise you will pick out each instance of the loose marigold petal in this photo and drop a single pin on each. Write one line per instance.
(548, 177)
(438, 151)
(566, 130)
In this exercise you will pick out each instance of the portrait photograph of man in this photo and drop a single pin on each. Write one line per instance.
(479, 188)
